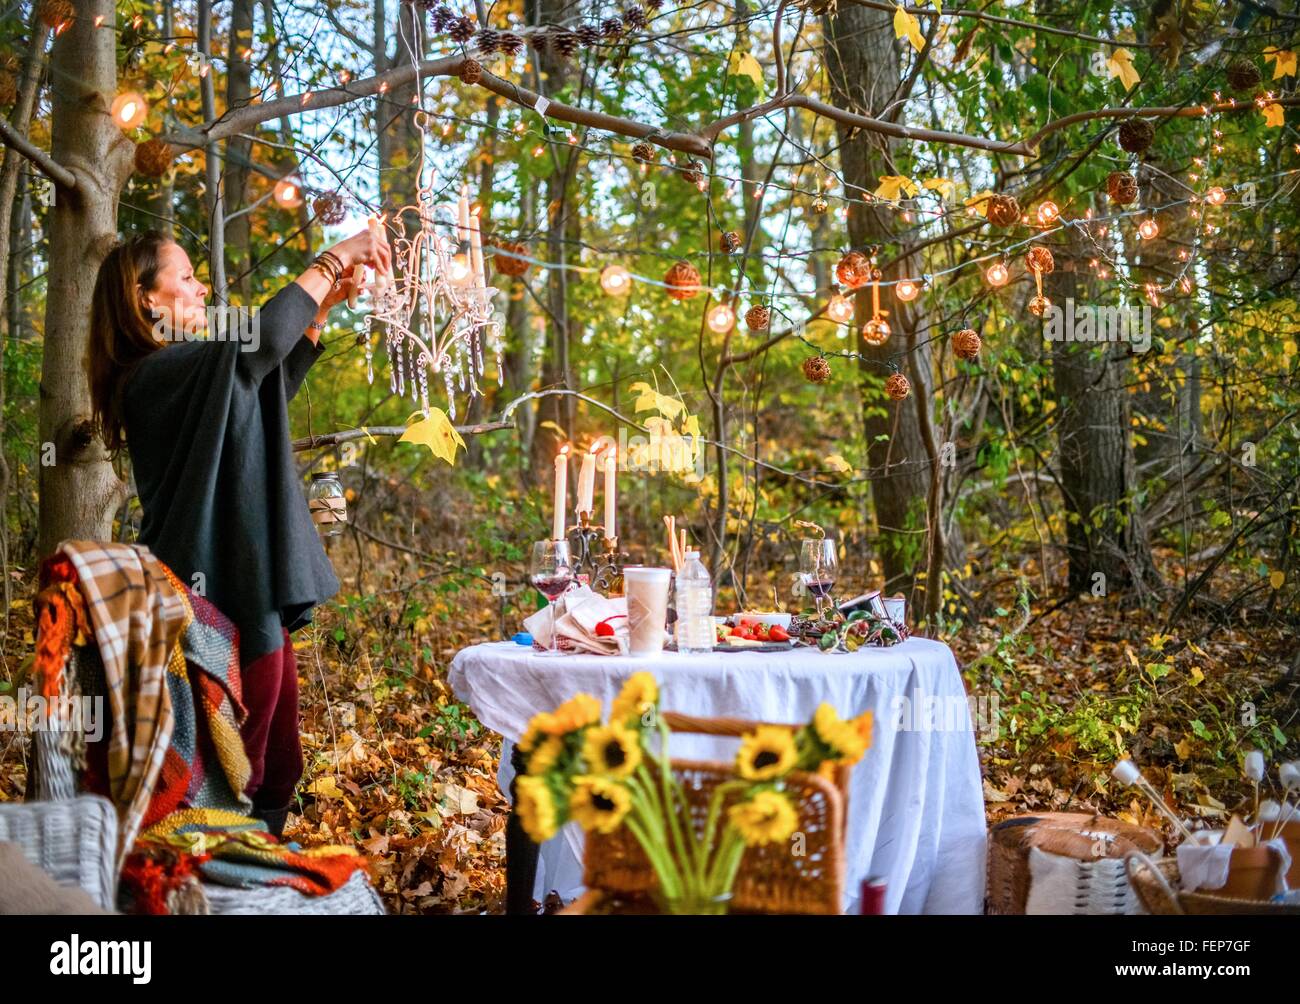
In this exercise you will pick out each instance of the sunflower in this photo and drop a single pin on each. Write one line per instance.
(599, 803)
(638, 696)
(767, 818)
(545, 754)
(577, 712)
(536, 808)
(767, 752)
(541, 724)
(612, 749)
(848, 741)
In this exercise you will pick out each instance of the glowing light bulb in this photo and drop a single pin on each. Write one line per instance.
(840, 309)
(906, 290)
(128, 110)
(459, 270)
(998, 274)
(1216, 196)
(1048, 213)
(288, 193)
(721, 318)
(1148, 230)
(615, 280)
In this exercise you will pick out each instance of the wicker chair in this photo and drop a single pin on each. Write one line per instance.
(771, 879)
(73, 837)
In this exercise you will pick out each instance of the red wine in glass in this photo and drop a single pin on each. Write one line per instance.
(820, 588)
(551, 586)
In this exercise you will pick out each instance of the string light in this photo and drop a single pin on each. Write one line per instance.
(615, 280)
(128, 110)
(906, 290)
(998, 274)
(1148, 229)
(1216, 196)
(840, 309)
(288, 193)
(721, 318)
(1048, 213)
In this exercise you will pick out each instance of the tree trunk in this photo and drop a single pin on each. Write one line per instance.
(239, 151)
(862, 68)
(1105, 536)
(79, 490)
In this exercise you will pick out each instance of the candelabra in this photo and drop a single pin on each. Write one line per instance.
(603, 568)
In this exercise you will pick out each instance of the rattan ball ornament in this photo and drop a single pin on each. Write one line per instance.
(819, 206)
(897, 386)
(56, 14)
(876, 332)
(966, 344)
(758, 317)
(1039, 259)
(854, 270)
(693, 173)
(683, 281)
(1135, 135)
(1003, 211)
(643, 152)
(508, 265)
(1039, 305)
(471, 71)
(153, 158)
(1243, 75)
(1122, 187)
(729, 242)
(816, 369)
(330, 208)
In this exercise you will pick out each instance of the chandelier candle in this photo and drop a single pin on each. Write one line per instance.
(561, 492)
(611, 471)
(587, 482)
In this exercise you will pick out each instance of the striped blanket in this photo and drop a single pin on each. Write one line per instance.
(173, 762)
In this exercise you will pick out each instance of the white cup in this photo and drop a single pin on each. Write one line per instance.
(647, 608)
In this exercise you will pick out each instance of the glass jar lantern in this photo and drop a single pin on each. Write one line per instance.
(327, 504)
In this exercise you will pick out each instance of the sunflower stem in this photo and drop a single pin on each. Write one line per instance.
(670, 880)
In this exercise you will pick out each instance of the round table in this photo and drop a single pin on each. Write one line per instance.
(916, 806)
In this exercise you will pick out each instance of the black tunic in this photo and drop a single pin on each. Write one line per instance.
(207, 427)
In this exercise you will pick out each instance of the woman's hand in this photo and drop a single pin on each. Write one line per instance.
(369, 247)
(336, 295)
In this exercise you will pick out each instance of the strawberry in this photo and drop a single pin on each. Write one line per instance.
(778, 633)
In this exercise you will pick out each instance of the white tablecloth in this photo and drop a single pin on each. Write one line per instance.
(916, 807)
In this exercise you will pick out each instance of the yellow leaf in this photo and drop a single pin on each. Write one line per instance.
(1121, 65)
(743, 64)
(944, 186)
(837, 463)
(892, 185)
(1284, 62)
(907, 26)
(437, 433)
(980, 201)
(1197, 676)
(1183, 749)
(326, 787)
(1274, 115)
(554, 427)
(1276, 578)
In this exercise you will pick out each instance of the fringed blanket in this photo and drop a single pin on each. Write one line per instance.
(170, 668)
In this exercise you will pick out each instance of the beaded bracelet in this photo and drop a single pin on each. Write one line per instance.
(329, 266)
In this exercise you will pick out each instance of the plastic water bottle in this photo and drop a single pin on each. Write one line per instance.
(695, 634)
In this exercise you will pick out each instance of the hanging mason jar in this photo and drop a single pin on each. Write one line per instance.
(327, 503)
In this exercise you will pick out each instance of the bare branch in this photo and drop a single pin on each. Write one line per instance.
(367, 432)
(46, 164)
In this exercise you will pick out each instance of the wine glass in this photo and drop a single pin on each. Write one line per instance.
(818, 566)
(551, 572)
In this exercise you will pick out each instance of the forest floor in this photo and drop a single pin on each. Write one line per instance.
(397, 765)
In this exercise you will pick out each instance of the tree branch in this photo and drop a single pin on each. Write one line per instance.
(347, 435)
(46, 164)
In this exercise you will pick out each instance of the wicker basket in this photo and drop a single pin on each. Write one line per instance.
(771, 879)
(1093, 846)
(1156, 885)
(74, 841)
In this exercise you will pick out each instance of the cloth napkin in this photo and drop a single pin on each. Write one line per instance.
(1205, 866)
(575, 616)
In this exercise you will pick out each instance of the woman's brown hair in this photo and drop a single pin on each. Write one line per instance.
(121, 330)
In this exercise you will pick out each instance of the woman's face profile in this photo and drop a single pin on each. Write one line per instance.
(177, 298)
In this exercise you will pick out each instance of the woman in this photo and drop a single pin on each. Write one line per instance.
(207, 427)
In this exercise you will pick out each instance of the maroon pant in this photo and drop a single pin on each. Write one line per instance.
(271, 735)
